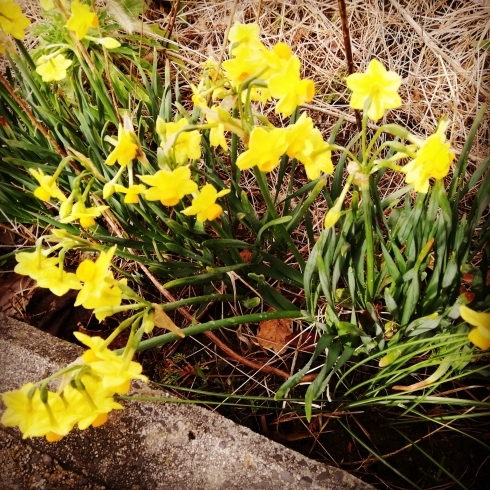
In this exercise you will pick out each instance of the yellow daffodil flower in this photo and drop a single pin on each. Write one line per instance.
(58, 281)
(116, 375)
(92, 404)
(297, 134)
(126, 148)
(54, 69)
(33, 264)
(278, 58)
(290, 89)
(185, 146)
(264, 149)
(217, 137)
(307, 145)
(94, 296)
(316, 155)
(169, 187)
(23, 411)
(480, 335)
(244, 35)
(85, 215)
(131, 193)
(217, 133)
(250, 61)
(377, 84)
(204, 204)
(12, 20)
(82, 19)
(197, 98)
(47, 186)
(99, 286)
(35, 418)
(433, 160)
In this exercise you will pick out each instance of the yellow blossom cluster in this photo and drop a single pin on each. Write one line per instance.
(84, 398)
(179, 144)
(53, 67)
(254, 72)
(94, 280)
(277, 67)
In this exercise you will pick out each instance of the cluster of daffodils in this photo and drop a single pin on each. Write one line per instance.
(85, 395)
(74, 206)
(180, 144)
(94, 280)
(375, 92)
(86, 390)
(81, 19)
(256, 73)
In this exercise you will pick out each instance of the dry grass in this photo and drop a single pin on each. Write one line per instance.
(429, 42)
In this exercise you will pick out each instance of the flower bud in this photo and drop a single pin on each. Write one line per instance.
(223, 115)
(161, 126)
(108, 190)
(332, 217)
(389, 358)
(148, 323)
(109, 42)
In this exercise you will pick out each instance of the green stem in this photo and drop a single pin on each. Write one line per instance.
(368, 225)
(343, 149)
(222, 233)
(200, 299)
(264, 189)
(214, 325)
(363, 138)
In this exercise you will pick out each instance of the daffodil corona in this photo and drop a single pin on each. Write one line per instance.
(378, 85)
(82, 19)
(204, 205)
(433, 160)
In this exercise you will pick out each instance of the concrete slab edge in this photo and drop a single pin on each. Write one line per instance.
(146, 445)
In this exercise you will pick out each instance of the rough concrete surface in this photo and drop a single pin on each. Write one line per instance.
(146, 445)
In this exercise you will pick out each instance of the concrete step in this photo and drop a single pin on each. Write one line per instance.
(146, 446)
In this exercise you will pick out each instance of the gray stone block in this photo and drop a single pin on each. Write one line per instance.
(146, 446)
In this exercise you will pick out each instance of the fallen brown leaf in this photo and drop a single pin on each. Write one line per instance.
(275, 334)
(246, 255)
